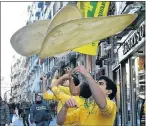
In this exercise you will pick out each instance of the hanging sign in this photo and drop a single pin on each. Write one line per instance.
(137, 36)
(132, 43)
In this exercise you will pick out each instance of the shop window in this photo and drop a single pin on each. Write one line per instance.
(61, 4)
(138, 82)
(54, 9)
(126, 93)
(49, 16)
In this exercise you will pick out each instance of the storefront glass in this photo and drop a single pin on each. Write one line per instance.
(126, 95)
(138, 86)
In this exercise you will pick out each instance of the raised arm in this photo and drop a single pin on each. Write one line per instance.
(60, 80)
(97, 93)
(44, 79)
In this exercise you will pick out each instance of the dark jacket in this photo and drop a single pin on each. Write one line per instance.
(4, 113)
(39, 113)
(25, 108)
(12, 108)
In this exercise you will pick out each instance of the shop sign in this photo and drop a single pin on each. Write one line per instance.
(134, 39)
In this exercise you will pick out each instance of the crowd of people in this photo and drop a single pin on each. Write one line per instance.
(37, 114)
(79, 99)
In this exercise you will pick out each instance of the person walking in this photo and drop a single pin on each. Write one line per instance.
(12, 110)
(4, 113)
(19, 110)
(40, 113)
(25, 107)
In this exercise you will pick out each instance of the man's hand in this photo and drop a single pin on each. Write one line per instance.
(66, 77)
(81, 69)
(70, 103)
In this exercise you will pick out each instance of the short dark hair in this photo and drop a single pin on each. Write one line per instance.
(85, 91)
(38, 95)
(110, 85)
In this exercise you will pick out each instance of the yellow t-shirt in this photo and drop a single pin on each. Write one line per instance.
(48, 96)
(93, 115)
(63, 98)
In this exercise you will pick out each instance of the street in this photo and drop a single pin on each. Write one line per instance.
(19, 122)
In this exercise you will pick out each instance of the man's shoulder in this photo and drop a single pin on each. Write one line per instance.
(109, 101)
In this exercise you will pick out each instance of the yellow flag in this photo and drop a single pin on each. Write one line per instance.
(92, 9)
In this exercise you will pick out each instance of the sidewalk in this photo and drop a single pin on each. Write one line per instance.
(53, 122)
(19, 122)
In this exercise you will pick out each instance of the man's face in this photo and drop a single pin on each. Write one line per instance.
(102, 85)
(38, 98)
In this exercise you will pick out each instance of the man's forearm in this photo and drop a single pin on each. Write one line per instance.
(57, 82)
(44, 87)
(62, 116)
(97, 93)
(72, 87)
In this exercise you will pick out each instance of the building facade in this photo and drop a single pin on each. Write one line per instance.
(129, 65)
(15, 81)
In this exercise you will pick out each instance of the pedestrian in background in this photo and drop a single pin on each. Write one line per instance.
(25, 107)
(40, 113)
(19, 110)
(12, 110)
(4, 113)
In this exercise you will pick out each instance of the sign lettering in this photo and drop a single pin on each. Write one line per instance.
(138, 35)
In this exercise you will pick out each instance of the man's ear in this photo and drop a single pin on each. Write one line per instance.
(109, 92)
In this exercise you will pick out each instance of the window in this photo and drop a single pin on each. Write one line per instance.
(126, 104)
(138, 86)
(61, 4)
(54, 9)
(49, 16)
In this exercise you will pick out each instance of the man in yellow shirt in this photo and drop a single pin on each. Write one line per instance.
(64, 88)
(82, 93)
(102, 112)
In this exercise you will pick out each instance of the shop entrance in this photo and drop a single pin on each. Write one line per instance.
(137, 62)
(132, 89)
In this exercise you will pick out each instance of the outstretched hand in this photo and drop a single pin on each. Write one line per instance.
(81, 69)
(44, 77)
(66, 77)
